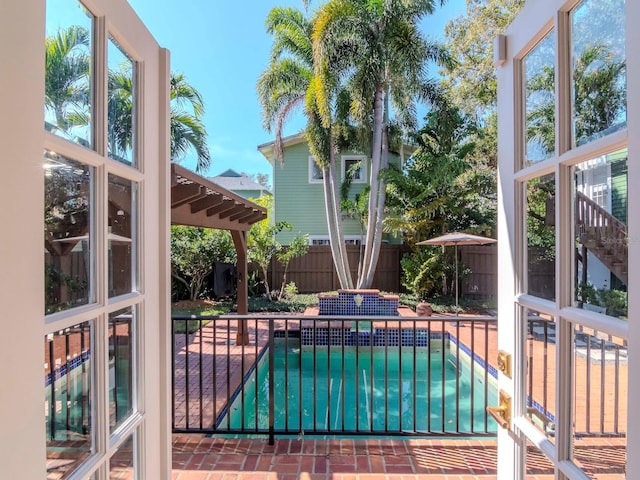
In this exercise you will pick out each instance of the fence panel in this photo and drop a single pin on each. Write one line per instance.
(482, 261)
(315, 273)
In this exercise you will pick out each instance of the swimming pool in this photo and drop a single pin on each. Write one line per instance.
(351, 389)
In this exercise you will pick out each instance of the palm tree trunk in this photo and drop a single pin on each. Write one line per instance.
(382, 195)
(334, 223)
(365, 280)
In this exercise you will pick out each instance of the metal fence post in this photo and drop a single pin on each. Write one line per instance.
(271, 384)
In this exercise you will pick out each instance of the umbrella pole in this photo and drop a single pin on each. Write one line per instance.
(456, 265)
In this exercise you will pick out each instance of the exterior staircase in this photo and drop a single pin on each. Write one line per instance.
(603, 235)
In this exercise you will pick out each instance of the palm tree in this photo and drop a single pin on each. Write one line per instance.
(120, 113)
(283, 89)
(376, 51)
(67, 97)
(187, 129)
(187, 108)
(67, 92)
(599, 98)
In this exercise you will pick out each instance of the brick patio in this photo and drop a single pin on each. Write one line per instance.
(199, 457)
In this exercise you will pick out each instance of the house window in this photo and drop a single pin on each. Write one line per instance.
(319, 241)
(564, 85)
(354, 167)
(68, 372)
(315, 172)
(324, 240)
(599, 78)
(122, 340)
(539, 78)
(121, 236)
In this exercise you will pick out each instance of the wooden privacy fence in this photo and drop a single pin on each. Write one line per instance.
(314, 272)
(482, 260)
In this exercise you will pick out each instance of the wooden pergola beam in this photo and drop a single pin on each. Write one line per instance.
(232, 211)
(184, 193)
(225, 205)
(206, 202)
(242, 216)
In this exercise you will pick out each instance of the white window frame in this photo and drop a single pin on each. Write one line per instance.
(363, 167)
(348, 239)
(313, 167)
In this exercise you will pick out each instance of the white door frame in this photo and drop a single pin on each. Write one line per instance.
(23, 139)
(535, 20)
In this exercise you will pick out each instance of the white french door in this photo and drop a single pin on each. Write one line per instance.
(567, 113)
(85, 280)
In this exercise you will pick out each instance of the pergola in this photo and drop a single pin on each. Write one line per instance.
(198, 202)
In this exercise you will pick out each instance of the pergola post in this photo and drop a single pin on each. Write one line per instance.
(198, 202)
(242, 269)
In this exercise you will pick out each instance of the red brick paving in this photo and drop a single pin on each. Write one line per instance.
(198, 457)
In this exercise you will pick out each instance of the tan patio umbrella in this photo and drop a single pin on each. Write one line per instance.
(455, 239)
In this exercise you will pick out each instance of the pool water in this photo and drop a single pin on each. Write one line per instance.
(373, 389)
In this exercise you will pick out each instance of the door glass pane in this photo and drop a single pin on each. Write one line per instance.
(121, 464)
(600, 411)
(68, 71)
(68, 398)
(541, 371)
(541, 237)
(121, 121)
(601, 211)
(122, 235)
(539, 79)
(121, 351)
(599, 69)
(68, 220)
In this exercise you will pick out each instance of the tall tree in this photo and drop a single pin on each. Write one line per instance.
(472, 79)
(285, 88)
(377, 53)
(187, 109)
(68, 97)
(187, 128)
(67, 64)
(439, 190)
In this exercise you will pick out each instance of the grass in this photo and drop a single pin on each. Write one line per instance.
(197, 308)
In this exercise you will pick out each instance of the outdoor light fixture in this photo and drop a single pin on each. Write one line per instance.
(499, 50)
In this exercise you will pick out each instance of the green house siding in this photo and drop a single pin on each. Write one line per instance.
(301, 202)
(619, 189)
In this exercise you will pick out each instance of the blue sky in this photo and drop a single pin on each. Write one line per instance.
(221, 47)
